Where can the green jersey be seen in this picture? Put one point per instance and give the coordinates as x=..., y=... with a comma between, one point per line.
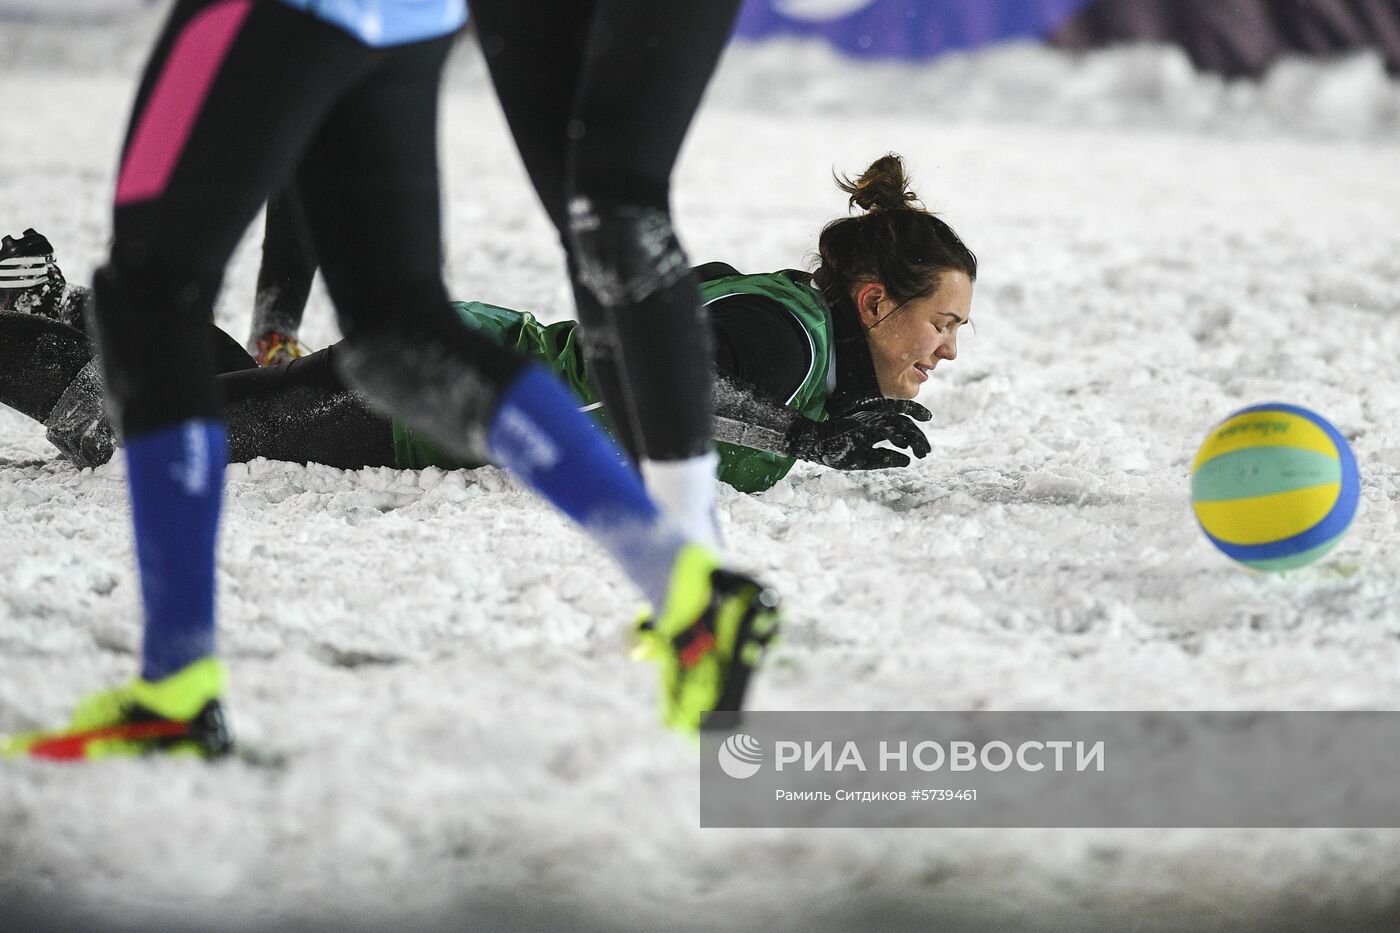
x=556, y=346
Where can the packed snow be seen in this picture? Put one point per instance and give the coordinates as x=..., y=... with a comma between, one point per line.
x=429, y=669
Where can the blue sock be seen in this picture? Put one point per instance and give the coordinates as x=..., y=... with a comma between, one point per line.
x=176, y=479
x=538, y=433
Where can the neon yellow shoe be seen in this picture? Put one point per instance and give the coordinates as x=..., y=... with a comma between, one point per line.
x=180, y=714
x=712, y=635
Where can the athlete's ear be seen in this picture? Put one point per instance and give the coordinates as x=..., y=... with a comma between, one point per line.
x=867, y=299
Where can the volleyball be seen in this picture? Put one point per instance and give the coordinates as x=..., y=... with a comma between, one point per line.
x=1274, y=486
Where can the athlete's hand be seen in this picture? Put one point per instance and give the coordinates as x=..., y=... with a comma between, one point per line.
x=847, y=441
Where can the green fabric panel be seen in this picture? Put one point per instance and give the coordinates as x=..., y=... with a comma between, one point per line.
x=1262, y=471
x=554, y=345
x=749, y=470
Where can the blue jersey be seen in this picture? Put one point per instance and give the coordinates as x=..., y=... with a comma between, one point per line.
x=388, y=22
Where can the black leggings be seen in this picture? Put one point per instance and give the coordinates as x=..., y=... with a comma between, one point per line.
x=299, y=411
x=360, y=123
x=599, y=95
x=303, y=412
x=288, y=267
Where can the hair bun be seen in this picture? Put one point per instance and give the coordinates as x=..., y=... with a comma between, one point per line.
x=884, y=186
x=897, y=243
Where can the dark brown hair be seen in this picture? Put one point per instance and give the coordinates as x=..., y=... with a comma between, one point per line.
x=896, y=242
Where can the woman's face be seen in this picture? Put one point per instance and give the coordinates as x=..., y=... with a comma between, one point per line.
x=907, y=341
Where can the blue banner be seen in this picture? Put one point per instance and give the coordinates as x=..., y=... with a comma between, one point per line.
x=907, y=29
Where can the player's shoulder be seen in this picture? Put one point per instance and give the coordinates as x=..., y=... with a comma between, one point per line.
x=710, y=271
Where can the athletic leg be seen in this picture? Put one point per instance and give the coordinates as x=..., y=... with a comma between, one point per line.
x=535, y=56
x=223, y=112
x=635, y=104
x=229, y=95
x=408, y=351
x=299, y=411
x=285, y=275
x=47, y=372
x=38, y=359
x=303, y=412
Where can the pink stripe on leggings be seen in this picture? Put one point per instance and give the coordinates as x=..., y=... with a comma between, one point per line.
x=170, y=112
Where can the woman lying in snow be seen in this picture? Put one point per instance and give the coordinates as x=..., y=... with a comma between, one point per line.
x=819, y=367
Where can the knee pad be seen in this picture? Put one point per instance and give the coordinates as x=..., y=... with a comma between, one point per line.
x=624, y=252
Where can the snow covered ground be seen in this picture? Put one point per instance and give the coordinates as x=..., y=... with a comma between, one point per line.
x=432, y=667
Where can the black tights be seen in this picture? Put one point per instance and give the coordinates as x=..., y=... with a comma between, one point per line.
x=287, y=270
x=303, y=412
x=599, y=95
x=361, y=125
x=299, y=411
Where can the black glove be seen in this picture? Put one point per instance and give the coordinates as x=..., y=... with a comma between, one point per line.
x=847, y=441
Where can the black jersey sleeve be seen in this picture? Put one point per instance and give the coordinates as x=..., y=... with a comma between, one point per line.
x=759, y=342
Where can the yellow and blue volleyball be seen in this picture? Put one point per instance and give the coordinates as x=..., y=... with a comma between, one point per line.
x=1275, y=486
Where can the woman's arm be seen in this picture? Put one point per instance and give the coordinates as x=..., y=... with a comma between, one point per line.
x=762, y=357
x=746, y=417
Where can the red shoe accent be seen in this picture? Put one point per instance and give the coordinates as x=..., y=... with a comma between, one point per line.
x=699, y=646
x=72, y=747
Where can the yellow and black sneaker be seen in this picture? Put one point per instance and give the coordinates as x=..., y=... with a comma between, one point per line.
x=179, y=715
x=713, y=633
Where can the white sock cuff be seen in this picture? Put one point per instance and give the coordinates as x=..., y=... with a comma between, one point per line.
x=686, y=491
